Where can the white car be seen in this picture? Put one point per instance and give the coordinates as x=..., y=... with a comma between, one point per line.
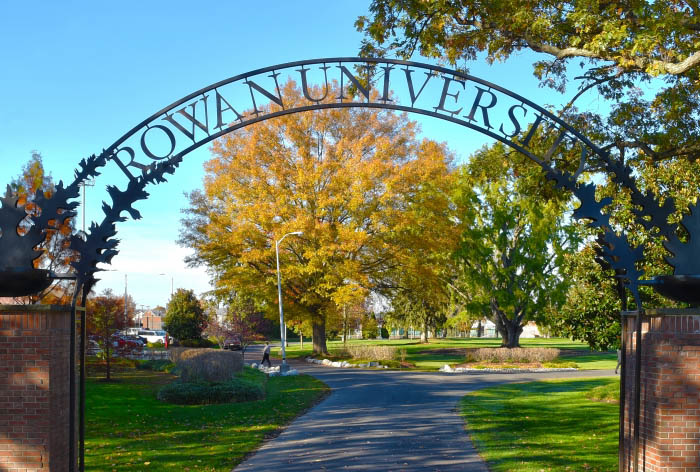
x=152, y=335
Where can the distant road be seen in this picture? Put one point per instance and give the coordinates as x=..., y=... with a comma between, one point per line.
x=380, y=420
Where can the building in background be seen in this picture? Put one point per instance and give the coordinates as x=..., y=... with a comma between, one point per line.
x=150, y=318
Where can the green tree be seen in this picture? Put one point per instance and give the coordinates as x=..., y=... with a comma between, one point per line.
x=592, y=309
x=514, y=243
x=370, y=328
x=341, y=176
x=413, y=309
x=613, y=48
x=184, y=317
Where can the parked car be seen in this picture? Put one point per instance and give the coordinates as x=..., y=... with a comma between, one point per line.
x=152, y=335
x=136, y=339
x=123, y=342
x=233, y=343
x=93, y=348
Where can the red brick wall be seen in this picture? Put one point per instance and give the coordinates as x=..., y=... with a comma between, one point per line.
x=34, y=388
x=670, y=393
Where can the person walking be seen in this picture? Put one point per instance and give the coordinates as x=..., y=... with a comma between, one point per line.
x=266, y=355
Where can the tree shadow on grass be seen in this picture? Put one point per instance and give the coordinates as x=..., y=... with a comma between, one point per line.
x=543, y=424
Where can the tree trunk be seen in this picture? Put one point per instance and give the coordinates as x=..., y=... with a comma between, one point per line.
x=345, y=326
x=424, y=334
x=509, y=329
x=511, y=335
x=301, y=338
x=319, y=337
x=108, y=352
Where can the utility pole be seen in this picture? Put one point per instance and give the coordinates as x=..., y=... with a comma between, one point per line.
x=126, y=301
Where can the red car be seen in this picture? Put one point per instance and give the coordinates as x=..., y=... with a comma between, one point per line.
x=127, y=343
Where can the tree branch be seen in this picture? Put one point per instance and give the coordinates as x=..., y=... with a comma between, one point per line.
x=641, y=63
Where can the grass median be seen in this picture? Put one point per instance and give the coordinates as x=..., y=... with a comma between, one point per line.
x=440, y=351
x=127, y=428
x=546, y=426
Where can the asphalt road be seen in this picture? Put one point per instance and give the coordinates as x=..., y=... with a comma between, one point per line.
x=383, y=420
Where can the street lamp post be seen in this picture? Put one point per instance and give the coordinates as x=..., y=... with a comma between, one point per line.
x=283, y=334
x=171, y=283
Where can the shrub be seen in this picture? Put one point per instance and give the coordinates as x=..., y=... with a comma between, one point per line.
x=158, y=365
x=199, y=343
x=202, y=393
x=516, y=354
x=378, y=353
x=210, y=365
x=385, y=333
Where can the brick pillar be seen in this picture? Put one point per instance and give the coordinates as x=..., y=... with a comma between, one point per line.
x=34, y=387
x=670, y=391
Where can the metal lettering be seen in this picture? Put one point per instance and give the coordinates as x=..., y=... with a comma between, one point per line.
x=385, y=92
x=192, y=119
x=305, y=84
x=513, y=120
x=444, y=95
x=276, y=99
x=167, y=132
x=531, y=133
x=363, y=90
x=131, y=163
x=220, y=111
x=484, y=108
x=409, y=81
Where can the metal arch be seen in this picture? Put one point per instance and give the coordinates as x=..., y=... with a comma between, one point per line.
x=341, y=60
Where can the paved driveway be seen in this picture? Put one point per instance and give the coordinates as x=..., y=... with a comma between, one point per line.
x=383, y=420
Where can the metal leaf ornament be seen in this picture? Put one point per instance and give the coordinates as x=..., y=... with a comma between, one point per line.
x=17, y=251
x=56, y=208
x=615, y=250
x=652, y=214
x=99, y=245
x=686, y=255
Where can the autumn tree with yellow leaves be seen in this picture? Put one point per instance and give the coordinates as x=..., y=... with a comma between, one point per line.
x=347, y=178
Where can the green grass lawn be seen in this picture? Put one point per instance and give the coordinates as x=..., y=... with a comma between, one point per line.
x=127, y=428
x=545, y=426
x=428, y=357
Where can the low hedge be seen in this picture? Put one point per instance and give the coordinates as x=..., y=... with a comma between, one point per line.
x=157, y=365
x=516, y=354
x=189, y=393
x=201, y=343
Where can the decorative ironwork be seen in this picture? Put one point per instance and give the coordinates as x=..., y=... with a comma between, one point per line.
x=157, y=145
x=23, y=232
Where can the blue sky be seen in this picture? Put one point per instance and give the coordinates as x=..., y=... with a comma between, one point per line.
x=76, y=75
